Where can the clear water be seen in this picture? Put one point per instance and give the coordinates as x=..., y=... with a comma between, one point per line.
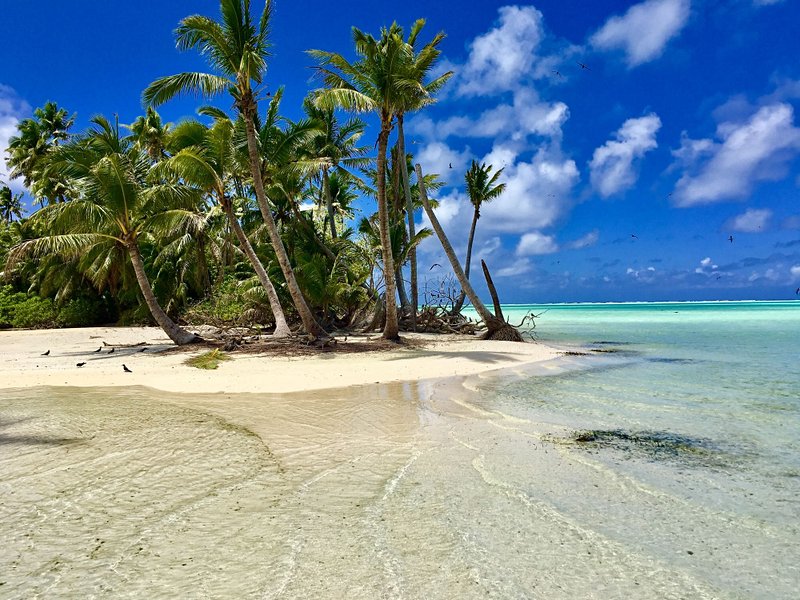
x=468, y=488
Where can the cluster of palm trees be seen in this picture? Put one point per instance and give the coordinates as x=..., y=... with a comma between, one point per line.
x=162, y=204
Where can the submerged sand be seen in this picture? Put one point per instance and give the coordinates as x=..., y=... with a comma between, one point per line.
x=428, y=356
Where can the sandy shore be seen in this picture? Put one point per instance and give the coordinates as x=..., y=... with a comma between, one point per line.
x=22, y=364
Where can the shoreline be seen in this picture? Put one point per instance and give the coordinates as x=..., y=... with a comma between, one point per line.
x=430, y=356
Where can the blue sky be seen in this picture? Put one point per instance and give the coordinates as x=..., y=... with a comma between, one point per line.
x=681, y=132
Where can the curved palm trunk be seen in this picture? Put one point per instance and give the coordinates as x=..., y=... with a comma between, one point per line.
x=326, y=186
x=176, y=333
x=310, y=324
x=401, y=143
x=391, y=329
x=467, y=263
x=492, y=322
x=281, y=326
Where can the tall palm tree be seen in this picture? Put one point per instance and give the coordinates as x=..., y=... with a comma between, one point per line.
x=29, y=152
x=413, y=98
x=237, y=48
x=207, y=165
x=335, y=146
x=115, y=207
x=150, y=134
x=10, y=205
x=482, y=188
x=373, y=83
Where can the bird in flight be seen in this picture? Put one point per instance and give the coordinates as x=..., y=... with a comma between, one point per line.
x=46, y=353
x=730, y=239
x=126, y=369
x=797, y=292
x=80, y=364
x=583, y=66
x=557, y=73
x=451, y=165
x=634, y=236
x=434, y=265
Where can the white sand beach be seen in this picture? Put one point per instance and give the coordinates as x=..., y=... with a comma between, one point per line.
x=431, y=356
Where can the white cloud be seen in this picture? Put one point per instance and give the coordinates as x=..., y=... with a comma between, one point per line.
x=756, y=150
x=612, y=165
x=535, y=243
x=590, y=239
x=795, y=272
x=751, y=220
x=707, y=267
x=517, y=267
x=438, y=157
x=766, y=2
x=12, y=110
x=644, y=30
x=504, y=55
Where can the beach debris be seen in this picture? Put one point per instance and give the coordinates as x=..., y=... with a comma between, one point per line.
x=126, y=369
x=80, y=364
x=208, y=360
x=46, y=353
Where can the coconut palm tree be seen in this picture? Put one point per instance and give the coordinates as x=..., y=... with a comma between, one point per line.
x=10, y=205
x=482, y=188
x=207, y=165
x=497, y=328
x=413, y=98
x=237, y=48
x=150, y=134
x=115, y=208
x=29, y=153
x=373, y=83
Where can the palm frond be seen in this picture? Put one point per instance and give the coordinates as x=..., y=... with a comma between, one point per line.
x=171, y=86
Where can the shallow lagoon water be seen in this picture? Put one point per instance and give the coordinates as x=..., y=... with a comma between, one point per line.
x=462, y=488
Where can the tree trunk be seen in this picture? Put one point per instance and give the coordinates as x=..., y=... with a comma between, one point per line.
x=326, y=186
x=498, y=310
x=391, y=330
x=412, y=254
x=475, y=217
x=310, y=324
x=176, y=333
x=401, y=290
x=281, y=326
x=492, y=322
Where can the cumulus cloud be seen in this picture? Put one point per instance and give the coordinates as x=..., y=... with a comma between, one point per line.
x=751, y=220
x=707, y=267
x=644, y=30
x=612, y=165
x=794, y=272
x=438, y=157
x=757, y=149
x=535, y=243
x=505, y=54
x=12, y=110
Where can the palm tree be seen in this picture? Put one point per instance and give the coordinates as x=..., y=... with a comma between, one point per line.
x=497, y=328
x=206, y=165
x=29, y=153
x=237, y=48
x=373, y=83
x=335, y=146
x=482, y=187
x=414, y=98
x=150, y=134
x=116, y=207
x=10, y=205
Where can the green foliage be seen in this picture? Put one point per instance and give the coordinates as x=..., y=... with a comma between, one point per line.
x=84, y=312
x=21, y=310
x=233, y=303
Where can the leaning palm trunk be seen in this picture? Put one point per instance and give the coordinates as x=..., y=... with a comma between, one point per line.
x=412, y=254
x=281, y=326
x=391, y=330
x=177, y=334
x=493, y=324
x=310, y=324
x=467, y=263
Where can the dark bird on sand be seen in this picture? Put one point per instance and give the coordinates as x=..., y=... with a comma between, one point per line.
x=80, y=364
x=98, y=350
x=730, y=239
x=143, y=349
x=46, y=353
x=111, y=351
x=126, y=369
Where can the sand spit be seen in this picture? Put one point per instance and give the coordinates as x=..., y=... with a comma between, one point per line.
x=428, y=356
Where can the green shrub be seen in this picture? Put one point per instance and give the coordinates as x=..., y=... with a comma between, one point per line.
x=35, y=312
x=84, y=312
x=9, y=299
